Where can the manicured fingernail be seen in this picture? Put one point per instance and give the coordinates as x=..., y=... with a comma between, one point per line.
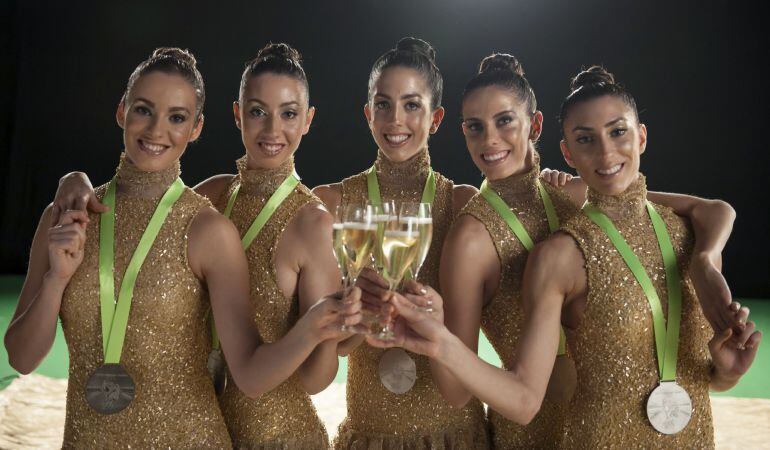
x=423, y=291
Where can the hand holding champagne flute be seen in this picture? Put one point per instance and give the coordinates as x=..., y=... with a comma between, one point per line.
x=422, y=214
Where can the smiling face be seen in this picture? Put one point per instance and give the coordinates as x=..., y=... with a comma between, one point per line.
x=158, y=120
x=499, y=132
x=273, y=115
x=603, y=141
x=399, y=113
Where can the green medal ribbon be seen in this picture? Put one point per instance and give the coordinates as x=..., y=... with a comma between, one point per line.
x=428, y=192
x=373, y=186
x=115, y=314
x=502, y=208
x=275, y=200
x=666, y=338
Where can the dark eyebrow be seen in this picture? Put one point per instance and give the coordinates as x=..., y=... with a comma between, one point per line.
x=141, y=99
x=382, y=95
x=606, y=125
x=407, y=96
x=180, y=108
x=255, y=100
x=613, y=122
x=510, y=111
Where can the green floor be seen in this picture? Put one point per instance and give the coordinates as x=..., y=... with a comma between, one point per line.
x=756, y=383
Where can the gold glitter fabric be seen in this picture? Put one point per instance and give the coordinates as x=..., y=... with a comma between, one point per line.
x=167, y=339
x=285, y=417
x=502, y=318
x=420, y=418
x=614, y=346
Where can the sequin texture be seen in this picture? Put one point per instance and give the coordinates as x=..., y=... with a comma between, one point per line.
x=420, y=418
x=614, y=346
x=285, y=417
x=167, y=338
x=502, y=318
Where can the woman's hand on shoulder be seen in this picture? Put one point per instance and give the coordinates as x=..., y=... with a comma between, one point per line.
x=555, y=178
x=75, y=192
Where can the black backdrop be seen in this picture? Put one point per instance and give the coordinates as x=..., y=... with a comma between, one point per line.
x=696, y=71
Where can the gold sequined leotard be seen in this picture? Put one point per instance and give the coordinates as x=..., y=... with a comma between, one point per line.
x=167, y=339
x=419, y=418
x=285, y=417
x=614, y=345
x=502, y=317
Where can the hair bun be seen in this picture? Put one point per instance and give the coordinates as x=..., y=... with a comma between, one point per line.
x=176, y=53
x=501, y=61
x=592, y=75
x=279, y=50
x=416, y=45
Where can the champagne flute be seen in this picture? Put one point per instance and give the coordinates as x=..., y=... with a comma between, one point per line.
x=399, y=246
x=382, y=214
x=359, y=235
x=339, y=246
x=421, y=212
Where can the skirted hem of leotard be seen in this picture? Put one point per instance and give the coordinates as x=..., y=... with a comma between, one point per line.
x=318, y=441
x=458, y=437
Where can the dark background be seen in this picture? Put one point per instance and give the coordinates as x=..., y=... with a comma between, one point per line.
x=697, y=71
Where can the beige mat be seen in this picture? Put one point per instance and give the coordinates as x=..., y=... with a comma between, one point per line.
x=32, y=415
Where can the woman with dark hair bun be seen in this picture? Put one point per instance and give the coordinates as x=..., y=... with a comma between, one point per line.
x=403, y=110
x=634, y=326
x=138, y=375
x=286, y=233
x=486, y=250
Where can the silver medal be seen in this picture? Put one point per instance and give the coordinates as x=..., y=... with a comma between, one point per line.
x=669, y=408
x=110, y=389
x=398, y=371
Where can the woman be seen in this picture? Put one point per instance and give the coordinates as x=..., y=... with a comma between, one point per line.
x=483, y=260
x=577, y=278
x=138, y=374
x=403, y=109
x=291, y=260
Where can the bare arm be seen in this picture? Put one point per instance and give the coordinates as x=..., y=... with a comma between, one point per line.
x=470, y=271
x=216, y=256
x=518, y=393
x=318, y=276
x=55, y=256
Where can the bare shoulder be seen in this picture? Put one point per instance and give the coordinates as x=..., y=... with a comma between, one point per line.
x=330, y=194
x=468, y=236
x=461, y=194
x=213, y=187
x=211, y=226
x=312, y=219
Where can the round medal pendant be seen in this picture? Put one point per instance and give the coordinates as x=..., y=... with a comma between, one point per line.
x=110, y=389
x=669, y=408
x=216, y=366
x=398, y=371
